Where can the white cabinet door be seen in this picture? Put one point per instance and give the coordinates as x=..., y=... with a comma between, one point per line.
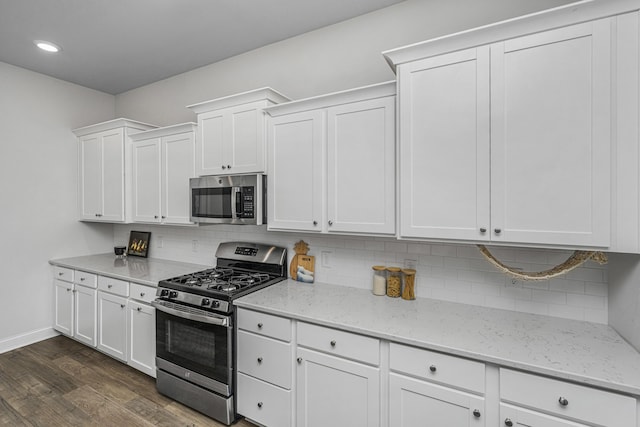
x=146, y=180
x=332, y=391
x=113, y=175
x=444, y=146
x=231, y=140
x=512, y=416
x=178, y=165
x=361, y=167
x=142, y=338
x=90, y=177
x=63, y=309
x=550, y=129
x=412, y=402
x=85, y=315
x=112, y=325
x=296, y=173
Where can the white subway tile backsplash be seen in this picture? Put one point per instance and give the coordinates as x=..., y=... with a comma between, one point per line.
x=452, y=272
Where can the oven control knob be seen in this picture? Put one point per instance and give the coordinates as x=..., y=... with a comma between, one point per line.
x=164, y=292
x=215, y=304
x=205, y=301
x=173, y=294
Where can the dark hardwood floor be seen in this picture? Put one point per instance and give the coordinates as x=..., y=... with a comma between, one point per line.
x=59, y=382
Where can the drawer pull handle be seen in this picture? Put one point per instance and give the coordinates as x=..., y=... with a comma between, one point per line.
x=563, y=401
x=141, y=294
x=432, y=368
x=299, y=359
x=82, y=279
x=139, y=309
x=68, y=289
x=483, y=230
x=122, y=305
x=60, y=274
x=259, y=325
x=259, y=359
x=259, y=404
x=497, y=230
x=508, y=422
x=109, y=286
x=476, y=413
x=333, y=343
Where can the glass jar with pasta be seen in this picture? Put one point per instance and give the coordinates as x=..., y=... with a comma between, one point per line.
x=394, y=282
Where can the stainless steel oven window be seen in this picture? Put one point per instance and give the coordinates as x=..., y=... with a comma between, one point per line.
x=199, y=347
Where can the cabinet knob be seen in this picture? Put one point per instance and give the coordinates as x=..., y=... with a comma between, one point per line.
x=121, y=305
x=82, y=279
x=315, y=222
x=259, y=325
x=139, y=309
x=333, y=343
x=563, y=401
x=109, y=286
x=155, y=217
x=476, y=413
x=432, y=368
x=508, y=422
x=299, y=359
x=497, y=230
x=259, y=404
x=141, y=294
x=259, y=359
x=224, y=167
x=483, y=230
x=330, y=223
x=228, y=166
x=60, y=274
x=68, y=289
x=163, y=217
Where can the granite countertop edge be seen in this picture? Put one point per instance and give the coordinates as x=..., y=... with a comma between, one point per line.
x=280, y=299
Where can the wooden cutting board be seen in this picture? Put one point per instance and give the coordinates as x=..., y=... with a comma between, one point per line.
x=302, y=267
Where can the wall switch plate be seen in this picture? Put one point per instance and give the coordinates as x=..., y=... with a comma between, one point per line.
x=194, y=246
x=410, y=263
x=159, y=242
x=325, y=257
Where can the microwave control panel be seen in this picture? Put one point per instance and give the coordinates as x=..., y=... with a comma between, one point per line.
x=247, y=209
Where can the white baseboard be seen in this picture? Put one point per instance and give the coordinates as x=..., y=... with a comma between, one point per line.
x=21, y=340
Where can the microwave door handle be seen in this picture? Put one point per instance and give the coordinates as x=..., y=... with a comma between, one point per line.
x=236, y=202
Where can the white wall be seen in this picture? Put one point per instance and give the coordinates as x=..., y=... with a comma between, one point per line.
x=330, y=59
x=624, y=296
x=38, y=178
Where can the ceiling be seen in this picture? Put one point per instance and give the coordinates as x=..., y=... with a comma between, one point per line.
x=117, y=45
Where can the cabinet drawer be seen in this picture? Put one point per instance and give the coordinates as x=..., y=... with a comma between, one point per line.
x=142, y=292
x=438, y=367
x=566, y=399
x=262, y=402
x=83, y=278
x=63, y=273
x=340, y=343
x=114, y=286
x=265, y=324
x=265, y=358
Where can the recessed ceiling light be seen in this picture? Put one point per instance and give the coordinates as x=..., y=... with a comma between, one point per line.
x=47, y=46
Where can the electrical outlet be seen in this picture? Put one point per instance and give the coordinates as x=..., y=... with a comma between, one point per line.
x=410, y=263
x=194, y=246
x=159, y=242
x=325, y=257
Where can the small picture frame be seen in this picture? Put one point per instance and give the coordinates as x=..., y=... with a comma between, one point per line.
x=138, y=243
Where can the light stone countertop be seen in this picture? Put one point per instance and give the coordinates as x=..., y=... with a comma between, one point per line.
x=588, y=353
x=147, y=271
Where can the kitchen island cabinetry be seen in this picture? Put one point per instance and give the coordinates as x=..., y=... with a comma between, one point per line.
x=231, y=132
x=342, y=178
x=493, y=139
x=104, y=170
x=163, y=162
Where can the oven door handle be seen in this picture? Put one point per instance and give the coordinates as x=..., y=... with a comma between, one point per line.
x=213, y=320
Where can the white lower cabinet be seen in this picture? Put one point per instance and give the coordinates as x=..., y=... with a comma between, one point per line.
x=85, y=308
x=335, y=391
x=141, y=320
x=112, y=317
x=536, y=401
x=63, y=307
x=265, y=368
x=412, y=402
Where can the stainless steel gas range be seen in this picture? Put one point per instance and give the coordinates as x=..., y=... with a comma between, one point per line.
x=195, y=318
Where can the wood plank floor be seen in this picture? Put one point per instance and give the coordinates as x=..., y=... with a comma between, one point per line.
x=59, y=382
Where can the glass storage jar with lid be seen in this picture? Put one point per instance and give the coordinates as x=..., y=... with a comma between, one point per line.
x=394, y=282
x=379, y=280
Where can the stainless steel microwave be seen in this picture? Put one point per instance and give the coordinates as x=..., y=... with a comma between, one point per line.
x=229, y=199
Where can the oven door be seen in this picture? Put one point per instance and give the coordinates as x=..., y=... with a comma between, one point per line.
x=195, y=345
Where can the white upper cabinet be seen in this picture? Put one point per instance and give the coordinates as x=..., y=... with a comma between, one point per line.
x=332, y=162
x=163, y=162
x=506, y=138
x=231, y=132
x=104, y=170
